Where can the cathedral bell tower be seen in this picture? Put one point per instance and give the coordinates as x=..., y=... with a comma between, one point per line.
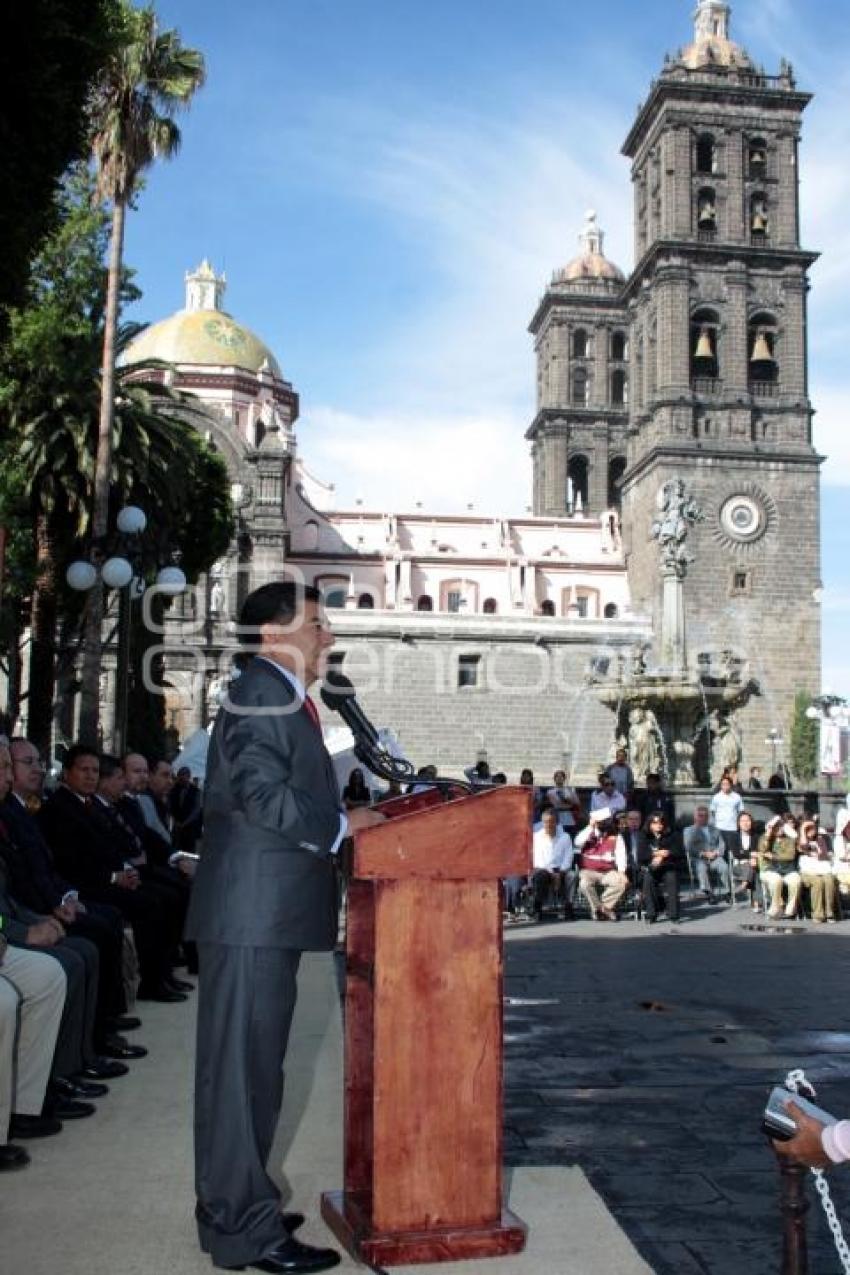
x=719, y=393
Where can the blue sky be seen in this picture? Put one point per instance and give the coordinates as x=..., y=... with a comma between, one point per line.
x=389, y=185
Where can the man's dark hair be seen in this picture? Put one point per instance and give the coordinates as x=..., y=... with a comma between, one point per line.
x=155, y=760
x=109, y=765
x=76, y=751
x=281, y=600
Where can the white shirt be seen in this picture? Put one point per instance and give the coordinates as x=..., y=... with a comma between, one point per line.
x=725, y=808
x=552, y=853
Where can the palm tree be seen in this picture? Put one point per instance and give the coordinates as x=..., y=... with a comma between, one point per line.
x=148, y=78
x=154, y=457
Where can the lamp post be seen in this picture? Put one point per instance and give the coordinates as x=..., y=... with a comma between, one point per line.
x=123, y=570
x=775, y=740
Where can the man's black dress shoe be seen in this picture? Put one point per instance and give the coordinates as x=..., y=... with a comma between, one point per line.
x=117, y=1047
x=68, y=1108
x=12, y=1157
x=33, y=1126
x=124, y=1023
x=85, y=1089
x=293, y=1256
x=102, y=1069
x=162, y=993
x=179, y=984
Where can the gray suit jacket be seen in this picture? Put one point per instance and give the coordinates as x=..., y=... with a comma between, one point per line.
x=266, y=876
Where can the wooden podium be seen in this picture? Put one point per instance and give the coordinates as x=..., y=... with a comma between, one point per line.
x=423, y=1031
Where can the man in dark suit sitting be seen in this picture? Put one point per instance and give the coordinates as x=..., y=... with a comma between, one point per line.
x=87, y=854
x=265, y=891
x=36, y=883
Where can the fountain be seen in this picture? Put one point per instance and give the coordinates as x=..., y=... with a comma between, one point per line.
x=675, y=720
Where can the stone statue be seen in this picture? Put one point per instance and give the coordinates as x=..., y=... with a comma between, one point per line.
x=216, y=598
x=645, y=747
x=728, y=741
x=677, y=513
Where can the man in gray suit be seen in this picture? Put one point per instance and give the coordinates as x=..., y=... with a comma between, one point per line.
x=264, y=892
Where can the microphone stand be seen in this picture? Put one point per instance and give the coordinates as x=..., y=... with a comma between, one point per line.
x=398, y=769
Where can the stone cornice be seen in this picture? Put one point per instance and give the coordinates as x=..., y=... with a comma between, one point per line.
x=726, y=454
x=725, y=254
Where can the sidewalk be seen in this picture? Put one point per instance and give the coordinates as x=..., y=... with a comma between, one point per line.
x=114, y=1193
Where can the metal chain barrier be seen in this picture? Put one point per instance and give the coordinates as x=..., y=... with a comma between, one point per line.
x=796, y=1081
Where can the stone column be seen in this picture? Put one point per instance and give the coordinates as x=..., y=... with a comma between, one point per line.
x=673, y=652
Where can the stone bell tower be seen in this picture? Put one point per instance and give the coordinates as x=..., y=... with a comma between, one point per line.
x=719, y=391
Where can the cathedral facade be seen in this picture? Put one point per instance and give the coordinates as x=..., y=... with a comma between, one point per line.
x=484, y=637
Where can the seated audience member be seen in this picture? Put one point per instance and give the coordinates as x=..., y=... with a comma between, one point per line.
x=744, y=860
x=841, y=851
x=87, y=854
x=423, y=775
x=145, y=846
x=629, y=829
x=755, y=784
x=706, y=851
x=478, y=775
x=777, y=780
x=552, y=860
x=499, y=779
x=602, y=863
x=657, y=858
x=655, y=800
x=356, y=793
x=186, y=809
x=778, y=864
x=142, y=802
x=35, y=883
x=564, y=800
x=815, y=867
x=726, y=805
x=606, y=797
x=32, y=997
x=621, y=772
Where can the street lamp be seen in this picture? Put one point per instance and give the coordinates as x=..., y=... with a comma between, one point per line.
x=775, y=740
x=123, y=571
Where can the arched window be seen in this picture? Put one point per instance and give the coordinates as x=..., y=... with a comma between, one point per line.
x=611, y=611
x=619, y=347
x=581, y=343
x=757, y=159
x=547, y=607
x=490, y=606
x=706, y=154
x=705, y=354
x=616, y=469
x=759, y=220
x=579, y=395
x=310, y=536
x=707, y=213
x=425, y=603
x=578, y=471
x=365, y=602
x=761, y=351
x=619, y=388
x=335, y=597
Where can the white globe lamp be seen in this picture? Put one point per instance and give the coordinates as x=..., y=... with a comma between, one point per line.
x=132, y=520
x=171, y=581
x=81, y=576
x=116, y=573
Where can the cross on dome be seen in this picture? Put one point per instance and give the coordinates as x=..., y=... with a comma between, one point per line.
x=591, y=237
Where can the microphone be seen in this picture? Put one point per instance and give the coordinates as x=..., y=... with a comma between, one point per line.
x=338, y=693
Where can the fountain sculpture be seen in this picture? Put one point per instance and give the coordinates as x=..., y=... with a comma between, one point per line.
x=674, y=720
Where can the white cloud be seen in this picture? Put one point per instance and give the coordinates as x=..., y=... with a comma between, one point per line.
x=831, y=431
x=394, y=461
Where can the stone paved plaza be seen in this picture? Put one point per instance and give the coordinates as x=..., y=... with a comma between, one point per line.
x=632, y=1142
x=644, y=1056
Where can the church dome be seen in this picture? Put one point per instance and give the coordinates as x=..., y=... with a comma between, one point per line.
x=203, y=334
x=591, y=264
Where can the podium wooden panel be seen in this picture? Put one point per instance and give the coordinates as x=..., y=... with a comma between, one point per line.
x=423, y=1031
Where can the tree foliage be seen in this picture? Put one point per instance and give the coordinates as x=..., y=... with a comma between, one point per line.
x=51, y=52
x=804, y=740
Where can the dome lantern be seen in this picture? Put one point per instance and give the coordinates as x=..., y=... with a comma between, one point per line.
x=204, y=288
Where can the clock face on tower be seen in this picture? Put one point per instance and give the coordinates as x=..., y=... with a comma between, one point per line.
x=744, y=517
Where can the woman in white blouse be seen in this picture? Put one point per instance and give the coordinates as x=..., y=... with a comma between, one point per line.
x=815, y=867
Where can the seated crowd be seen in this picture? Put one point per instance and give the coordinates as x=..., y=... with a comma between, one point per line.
x=626, y=843
x=94, y=886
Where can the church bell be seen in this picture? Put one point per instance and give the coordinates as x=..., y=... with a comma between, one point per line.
x=706, y=214
x=761, y=349
x=704, y=350
x=759, y=222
